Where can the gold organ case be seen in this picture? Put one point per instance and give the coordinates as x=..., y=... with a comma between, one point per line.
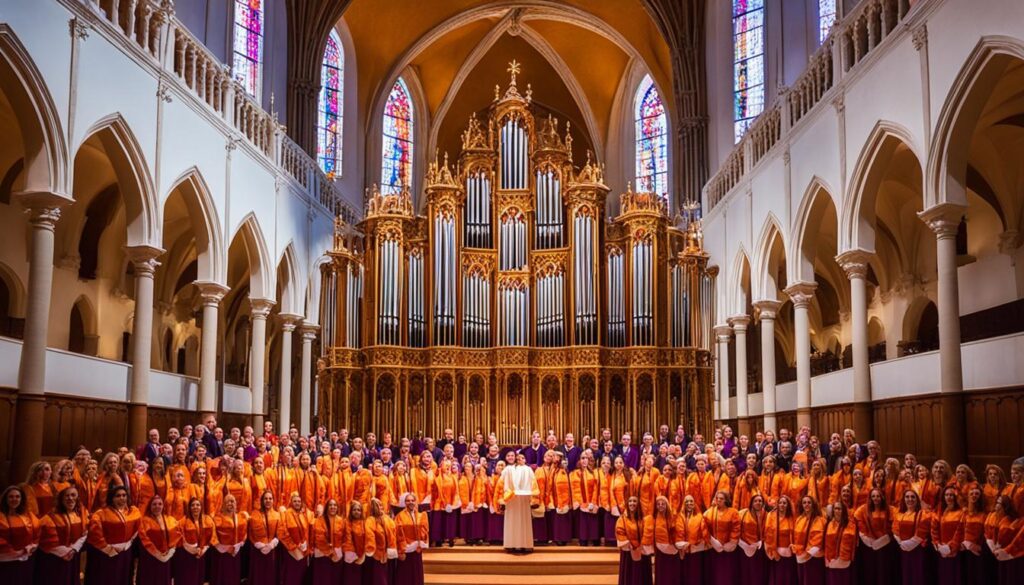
x=513, y=302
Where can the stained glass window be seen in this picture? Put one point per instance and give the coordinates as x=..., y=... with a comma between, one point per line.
x=248, y=49
x=651, y=140
x=748, y=63
x=396, y=170
x=328, y=128
x=826, y=18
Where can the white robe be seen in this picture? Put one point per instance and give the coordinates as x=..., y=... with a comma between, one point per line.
x=520, y=481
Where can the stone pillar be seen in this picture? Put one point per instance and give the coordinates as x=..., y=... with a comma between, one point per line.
x=723, y=332
x=143, y=259
x=855, y=264
x=944, y=219
x=801, y=294
x=212, y=293
x=309, y=332
x=767, y=310
x=258, y=313
x=739, y=326
x=288, y=324
x=44, y=212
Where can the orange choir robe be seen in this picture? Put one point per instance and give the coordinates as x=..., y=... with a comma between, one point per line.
x=840, y=544
x=242, y=491
x=341, y=489
x=907, y=525
x=743, y=494
x=311, y=488
x=771, y=487
x=412, y=532
x=1016, y=494
x=808, y=537
x=215, y=496
x=752, y=526
x=263, y=525
x=380, y=531
x=691, y=532
x=778, y=535
x=708, y=487
x=203, y=533
x=61, y=530
x=204, y=493
x=423, y=484
x=16, y=532
x=258, y=483
x=629, y=533
x=361, y=479
x=380, y=488
x=400, y=485
x=327, y=540
x=1010, y=536
x=660, y=534
x=40, y=498
x=294, y=530
x=819, y=489
x=176, y=502
x=542, y=497
x=604, y=496
x=617, y=492
x=496, y=494
x=876, y=524
x=836, y=483
x=974, y=531
x=282, y=481
x=355, y=544
x=645, y=487
x=585, y=494
x=87, y=490
x=175, y=467
x=445, y=492
x=231, y=528
x=561, y=492
x=157, y=539
x=948, y=531
x=795, y=488
x=464, y=497
x=109, y=526
x=149, y=487
x=723, y=525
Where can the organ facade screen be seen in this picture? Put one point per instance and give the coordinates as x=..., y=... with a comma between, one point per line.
x=513, y=299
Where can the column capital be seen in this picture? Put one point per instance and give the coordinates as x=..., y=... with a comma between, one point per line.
x=309, y=331
x=143, y=258
x=211, y=292
x=801, y=293
x=855, y=262
x=723, y=332
x=943, y=219
x=42, y=207
x=739, y=322
x=260, y=308
x=767, y=309
x=289, y=321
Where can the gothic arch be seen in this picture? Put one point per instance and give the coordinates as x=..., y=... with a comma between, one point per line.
x=206, y=226
x=738, y=297
x=763, y=282
x=288, y=280
x=16, y=290
x=261, y=276
x=812, y=211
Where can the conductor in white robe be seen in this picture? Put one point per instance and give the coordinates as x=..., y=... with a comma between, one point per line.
x=520, y=489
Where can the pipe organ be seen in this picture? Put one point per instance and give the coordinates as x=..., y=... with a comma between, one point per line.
x=514, y=295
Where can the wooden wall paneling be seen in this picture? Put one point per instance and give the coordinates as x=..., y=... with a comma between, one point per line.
x=909, y=425
x=8, y=397
x=994, y=421
x=70, y=422
x=786, y=420
x=831, y=419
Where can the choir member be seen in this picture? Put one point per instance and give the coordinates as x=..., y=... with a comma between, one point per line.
x=62, y=535
x=911, y=526
x=948, y=535
x=662, y=529
x=561, y=499
x=293, y=530
x=995, y=483
x=236, y=484
x=876, y=555
x=411, y=536
x=1015, y=489
x=586, y=500
x=202, y=491
x=617, y=483
x=355, y=544
x=753, y=562
x=39, y=490
x=152, y=483
x=328, y=539
x=445, y=496
x=771, y=481
x=263, y=529
x=976, y=558
x=963, y=479
x=634, y=565
x=282, y=478
x=778, y=542
x=840, y=544
x=1006, y=540
x=198, y=534
x=723, y=535
x=401, y=483
x=476, y=515
x=106, y=478
x=111, y=533
x=179, y=492
x=311, y=488
x=423, y=481
x=232, y=528
x=794, y=485
x=158, y=537
x=19, y=537
x=87, y=482
x=645, y=483
x=809, y=543
x=465, y=479
x=381, y=545
x=746, y=490
x=691, y=540
x=541, y=503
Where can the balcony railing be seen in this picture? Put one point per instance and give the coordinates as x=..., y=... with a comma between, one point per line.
x=849, y=43
x=150, y=25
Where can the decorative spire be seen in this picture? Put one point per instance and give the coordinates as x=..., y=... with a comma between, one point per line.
x=513, y=68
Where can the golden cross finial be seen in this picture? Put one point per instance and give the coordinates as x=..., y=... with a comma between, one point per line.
x=513, y=68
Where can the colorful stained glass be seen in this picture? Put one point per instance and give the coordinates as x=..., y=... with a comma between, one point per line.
x=396, y=170
x=826, y=18
x=248, y=45
x=748, y=63
x=651, y=140
x=328, y=129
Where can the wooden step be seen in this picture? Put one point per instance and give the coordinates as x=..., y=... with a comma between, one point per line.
x=478, y=579
x=540, y=562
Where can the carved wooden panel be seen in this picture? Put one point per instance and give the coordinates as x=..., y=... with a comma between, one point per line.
x=909, y=425
x=994, y=421
x=831, y=419
x=71, y=422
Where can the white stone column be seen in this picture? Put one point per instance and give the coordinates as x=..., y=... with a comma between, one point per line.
x=801, y=294
x=212, y=294
x=288, y=324
x=143, y=259
x=44, y=212
x=258, y=313
x=309, y=332
x=739, y=326
x=944, y=220
x=855, y=264
x=767, y=311
x=723, y=333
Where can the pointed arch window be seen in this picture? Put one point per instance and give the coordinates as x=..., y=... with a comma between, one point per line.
x=748, y=63
x=248, y=45
x=396, y=169
x=329, y=121
x=826, y=18
x=651, y=139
